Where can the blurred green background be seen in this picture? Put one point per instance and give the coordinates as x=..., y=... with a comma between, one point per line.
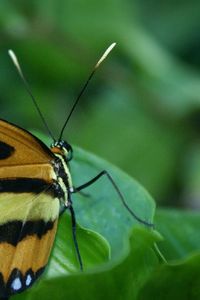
x=142, y=109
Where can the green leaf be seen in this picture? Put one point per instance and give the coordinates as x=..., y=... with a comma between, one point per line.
x=180, y=230
x=94, y=249
x=180, y=278
x=103, y=212
x=122, y=281
x=177, y=281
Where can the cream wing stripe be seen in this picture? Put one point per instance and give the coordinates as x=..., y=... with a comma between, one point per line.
x=14, y=207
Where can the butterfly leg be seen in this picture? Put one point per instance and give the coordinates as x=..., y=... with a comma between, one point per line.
x=87, y=195
x=73, y=219
x=121, y=197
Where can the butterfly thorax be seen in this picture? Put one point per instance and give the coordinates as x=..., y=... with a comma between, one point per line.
x=63, y=181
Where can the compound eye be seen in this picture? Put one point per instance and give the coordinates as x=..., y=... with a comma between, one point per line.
x=69, y=150
x=70, y=153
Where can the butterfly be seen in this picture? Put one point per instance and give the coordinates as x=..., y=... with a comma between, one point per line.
x=35, y=183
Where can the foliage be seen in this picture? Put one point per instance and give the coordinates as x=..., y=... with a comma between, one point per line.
x=129, y=265
x=140, y=112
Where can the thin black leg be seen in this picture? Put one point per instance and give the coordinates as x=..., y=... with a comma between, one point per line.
x=84, y=194
x=73, y=218
x=93, y=180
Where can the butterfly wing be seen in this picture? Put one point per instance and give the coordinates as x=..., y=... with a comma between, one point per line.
x=27, y=230
x=29, y=208
x=18, y=146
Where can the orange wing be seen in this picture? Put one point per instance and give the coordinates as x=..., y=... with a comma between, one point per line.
x=22, y=155
x=19, y=147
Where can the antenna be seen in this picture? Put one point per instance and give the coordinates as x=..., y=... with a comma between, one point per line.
x=108, y=50
x=27, y=87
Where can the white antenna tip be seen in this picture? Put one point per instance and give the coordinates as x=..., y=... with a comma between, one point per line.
x=108, y=50
x=15, y=61
x=12, y=56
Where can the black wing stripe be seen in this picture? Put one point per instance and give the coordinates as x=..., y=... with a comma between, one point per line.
x=5, y=150
x=27, y=185
x=15, y=231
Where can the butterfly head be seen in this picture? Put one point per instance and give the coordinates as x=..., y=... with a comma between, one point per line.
x=63, y=148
